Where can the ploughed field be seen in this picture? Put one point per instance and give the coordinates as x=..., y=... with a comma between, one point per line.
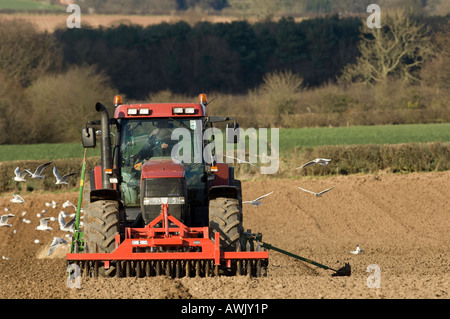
x=401, y=221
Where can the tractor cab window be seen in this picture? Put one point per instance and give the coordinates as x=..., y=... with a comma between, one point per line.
x=144, y=139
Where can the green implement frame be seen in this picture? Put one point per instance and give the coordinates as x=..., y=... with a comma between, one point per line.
x=77, y=244
x=343, y=271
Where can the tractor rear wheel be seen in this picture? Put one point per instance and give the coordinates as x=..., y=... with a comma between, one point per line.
x=101, y=227
x=225, y=217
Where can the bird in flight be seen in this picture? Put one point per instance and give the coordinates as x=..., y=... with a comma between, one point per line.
x=69, y=226
x=4, y=220
x=20, y=175
x=317, y=194
x=17, y=199
x=43, y=224
x=57, y=241
x=37, y=173
x=256, y=202
x=240, y=161
x=320, y=161
x=61, y=180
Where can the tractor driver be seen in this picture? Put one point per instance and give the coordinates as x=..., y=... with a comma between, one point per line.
x=159, y=142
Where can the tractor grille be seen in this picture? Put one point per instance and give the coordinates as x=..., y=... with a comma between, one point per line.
x=156, y=188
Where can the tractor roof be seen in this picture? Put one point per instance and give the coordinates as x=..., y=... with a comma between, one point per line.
x=152, y=110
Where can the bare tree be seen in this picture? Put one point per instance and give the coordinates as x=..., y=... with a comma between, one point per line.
x=26, y=54
x=398, y=49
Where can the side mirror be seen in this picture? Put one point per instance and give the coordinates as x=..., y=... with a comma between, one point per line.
x=232, y=133
x=88, y=137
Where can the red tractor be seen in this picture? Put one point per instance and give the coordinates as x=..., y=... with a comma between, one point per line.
x=159, y=203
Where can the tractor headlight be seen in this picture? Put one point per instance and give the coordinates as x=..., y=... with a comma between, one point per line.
x=144, y=111
x=189, y=110
x=177, y=110
x=132, y=111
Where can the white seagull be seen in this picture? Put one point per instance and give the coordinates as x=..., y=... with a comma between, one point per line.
x=37, y=173
x=55, y=243
x=20, y=175
x=256, y=202
x=26, y=221
x=4, y=220
x=44, y=224
x=17, y=199
x=61, y=180
x=317, y=194
x=357, y=251
x=52, y=204
x=66, y=226
x=320, y=161
x=239, y=160
x=67, y=203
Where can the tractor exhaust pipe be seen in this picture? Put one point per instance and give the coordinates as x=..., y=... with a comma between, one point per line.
x=106, y=157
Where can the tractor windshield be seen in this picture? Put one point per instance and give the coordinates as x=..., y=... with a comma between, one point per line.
x=142, y=139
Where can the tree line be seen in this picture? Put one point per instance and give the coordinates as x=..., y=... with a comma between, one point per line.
x=278, y=73
x=227, y=57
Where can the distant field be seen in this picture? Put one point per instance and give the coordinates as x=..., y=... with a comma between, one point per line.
x=382, y=134
x=44, y=151
x=289, y=139
x=27, y=5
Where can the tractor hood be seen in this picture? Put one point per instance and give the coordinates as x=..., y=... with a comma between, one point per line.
x=162, y=168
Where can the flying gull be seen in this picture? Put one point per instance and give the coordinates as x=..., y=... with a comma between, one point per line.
x=320, y=161
x=258, y=201
x=65, y=226
x=37, y=173
x=317, y=194
x=17, y=199
x=240, y=161
x=20, y=175
x=67, y=203
x=44, y=224
x=61, y=180
x=55, y=243
x=4, y=220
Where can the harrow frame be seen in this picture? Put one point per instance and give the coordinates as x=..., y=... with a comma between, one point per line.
x=166, y=243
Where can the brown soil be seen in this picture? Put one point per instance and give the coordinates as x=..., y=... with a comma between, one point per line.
x=401, y=221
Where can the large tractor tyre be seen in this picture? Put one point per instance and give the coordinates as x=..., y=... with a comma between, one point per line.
x=101, y=226
x=225, y=217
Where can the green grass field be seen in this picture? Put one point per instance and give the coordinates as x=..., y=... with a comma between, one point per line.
x=382, y=134
x=27, y=5
x=289, y=139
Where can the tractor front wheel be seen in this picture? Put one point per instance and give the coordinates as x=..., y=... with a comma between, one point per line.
x=101, y=228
